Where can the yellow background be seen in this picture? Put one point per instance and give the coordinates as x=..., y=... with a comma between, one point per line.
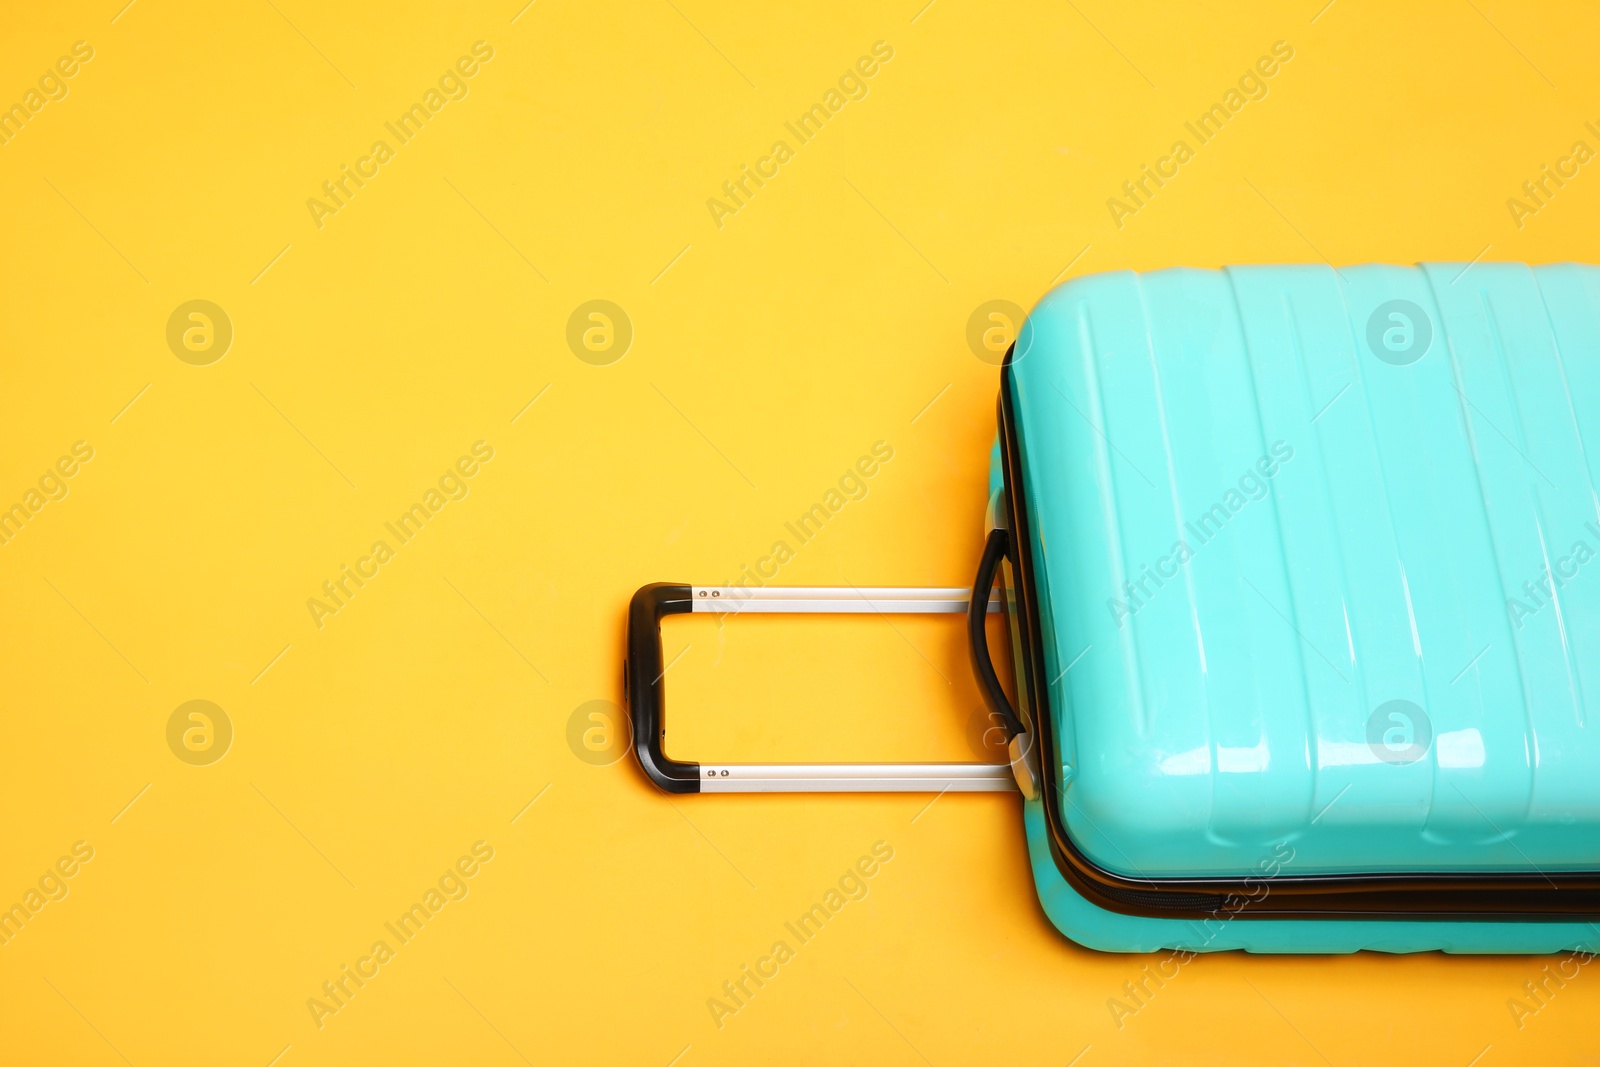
x=768, y=355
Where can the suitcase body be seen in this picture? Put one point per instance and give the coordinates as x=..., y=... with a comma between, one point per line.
x=1305, y=624
x=1301, y=575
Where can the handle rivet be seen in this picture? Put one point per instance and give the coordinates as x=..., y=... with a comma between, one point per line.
x=724, y=774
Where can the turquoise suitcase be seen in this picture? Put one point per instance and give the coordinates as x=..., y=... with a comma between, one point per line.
x=1303, y=613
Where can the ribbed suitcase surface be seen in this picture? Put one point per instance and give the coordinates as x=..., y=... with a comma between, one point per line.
x=1319, y=564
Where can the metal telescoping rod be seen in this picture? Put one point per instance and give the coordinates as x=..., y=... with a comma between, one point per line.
x=846, y=777
x=835, y=599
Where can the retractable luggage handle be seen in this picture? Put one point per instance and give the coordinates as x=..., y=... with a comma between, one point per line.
x=644, y=670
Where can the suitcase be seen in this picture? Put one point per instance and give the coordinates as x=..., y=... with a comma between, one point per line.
x=1302, y=612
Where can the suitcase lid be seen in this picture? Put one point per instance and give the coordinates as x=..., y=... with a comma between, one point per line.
x=1315, y=554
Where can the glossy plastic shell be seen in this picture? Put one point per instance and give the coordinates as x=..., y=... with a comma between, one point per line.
x=1319, y=557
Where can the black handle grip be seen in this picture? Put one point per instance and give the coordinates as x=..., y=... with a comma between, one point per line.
x=643, y=686
x=994, y=550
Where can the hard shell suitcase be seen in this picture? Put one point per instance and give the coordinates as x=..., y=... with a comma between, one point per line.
x=1302, y=623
